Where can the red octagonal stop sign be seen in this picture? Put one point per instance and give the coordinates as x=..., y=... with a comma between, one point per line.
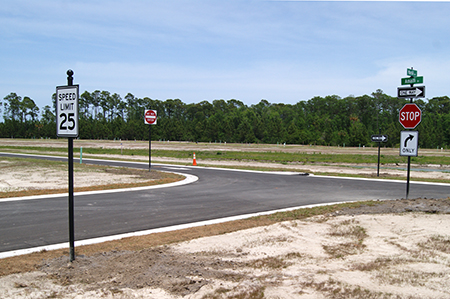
x=410, y=116
x=150, y=117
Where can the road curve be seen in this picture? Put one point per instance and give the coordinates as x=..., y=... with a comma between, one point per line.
x=218, y=193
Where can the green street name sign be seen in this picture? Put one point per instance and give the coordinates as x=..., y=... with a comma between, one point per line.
x=411, y=72
x=414, y=80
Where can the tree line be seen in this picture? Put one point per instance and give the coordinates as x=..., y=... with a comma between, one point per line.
x=329, y=120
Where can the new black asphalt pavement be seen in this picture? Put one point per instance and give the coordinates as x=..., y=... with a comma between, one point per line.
x=218, y=193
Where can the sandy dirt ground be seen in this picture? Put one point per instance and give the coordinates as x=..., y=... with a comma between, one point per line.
x=33, y=178
x=332, y=256
x=399, y=249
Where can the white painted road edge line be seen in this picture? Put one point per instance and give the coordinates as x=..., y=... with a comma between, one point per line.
x=379, y=180
x=254, y=171
x=151, y=231
x=277, y=172
x=189, y=178
x=188, y=167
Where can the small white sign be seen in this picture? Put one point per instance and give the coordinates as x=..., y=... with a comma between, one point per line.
x=409, y=143
x=150, y=117
x=67, y=111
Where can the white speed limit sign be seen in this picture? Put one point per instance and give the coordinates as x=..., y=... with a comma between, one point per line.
x=67, y=111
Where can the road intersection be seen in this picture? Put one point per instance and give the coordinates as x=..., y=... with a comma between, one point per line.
x=211, y=193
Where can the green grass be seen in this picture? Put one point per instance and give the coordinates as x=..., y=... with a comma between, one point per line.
x=295, y=158
x=14, y=163
x=273, y=156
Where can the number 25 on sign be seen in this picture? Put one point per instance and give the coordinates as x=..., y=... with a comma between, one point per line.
x=67, y=111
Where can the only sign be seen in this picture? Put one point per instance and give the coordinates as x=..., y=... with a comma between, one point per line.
x=150, y=117
x=410, y=116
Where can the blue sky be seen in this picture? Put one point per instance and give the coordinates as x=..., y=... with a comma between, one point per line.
x=281, y=51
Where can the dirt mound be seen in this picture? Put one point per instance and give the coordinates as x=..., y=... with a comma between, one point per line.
x=155, y=267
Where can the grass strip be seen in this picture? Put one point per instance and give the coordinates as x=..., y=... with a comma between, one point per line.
x=99, y=152
x=259, y=156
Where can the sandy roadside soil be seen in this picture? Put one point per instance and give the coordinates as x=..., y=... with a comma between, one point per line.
x=344, y=255
x=34, y=178
x=365, y=256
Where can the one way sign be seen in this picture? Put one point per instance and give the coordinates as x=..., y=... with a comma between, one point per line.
x=379, y=138
x=409, y=143
x=411, y=92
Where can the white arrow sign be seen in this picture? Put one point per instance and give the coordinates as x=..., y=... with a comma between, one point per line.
x=414, y=92
x=409, y=143
x=411, y=92
x=379, y=138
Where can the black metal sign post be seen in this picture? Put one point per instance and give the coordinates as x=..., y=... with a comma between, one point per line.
x=149, y=148
x=409, y=157
x=378, y=166
x=67, y=126
x=71, y=205
x=407, y=179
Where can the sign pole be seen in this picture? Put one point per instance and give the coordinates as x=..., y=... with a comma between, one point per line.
x=407, y=176
x=71, y=209
x=413, y=75
x=379, y=138
x=67, y=126
x=410, y=116
x=150, y=117
x=378, y=168
x=71, y=205
x=149, y=148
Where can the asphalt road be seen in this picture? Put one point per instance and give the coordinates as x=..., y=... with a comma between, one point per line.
x=218, y=193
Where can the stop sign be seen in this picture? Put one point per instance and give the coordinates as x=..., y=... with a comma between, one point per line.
x=150, y=117
x=410, y=116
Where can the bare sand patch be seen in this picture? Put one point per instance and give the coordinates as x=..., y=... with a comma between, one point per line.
x=38, y=178
x=390, y=256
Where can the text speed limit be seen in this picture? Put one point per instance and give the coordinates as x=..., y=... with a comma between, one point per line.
x=67, y=111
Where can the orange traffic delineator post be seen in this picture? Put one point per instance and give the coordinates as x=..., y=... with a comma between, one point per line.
x=195, y=161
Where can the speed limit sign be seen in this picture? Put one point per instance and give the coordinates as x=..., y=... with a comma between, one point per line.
x=67, y=111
